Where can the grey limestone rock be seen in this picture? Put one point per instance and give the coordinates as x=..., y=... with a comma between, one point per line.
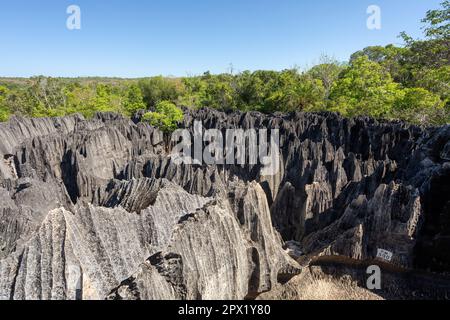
x=96, y=209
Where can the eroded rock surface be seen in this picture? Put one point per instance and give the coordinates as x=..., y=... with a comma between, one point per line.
x=95, y=209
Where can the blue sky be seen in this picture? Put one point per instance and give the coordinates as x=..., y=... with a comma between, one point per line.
x=137, y=38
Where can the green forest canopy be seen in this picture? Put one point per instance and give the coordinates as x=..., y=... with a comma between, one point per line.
x=409, y=83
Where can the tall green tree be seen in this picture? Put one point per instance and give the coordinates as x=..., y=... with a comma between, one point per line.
x=194, y=92
x=158, y=89
x=297, y=92
x=219, y=92
x=365, y=88
x=438, y=22
x=436, y=80
x=327, y=73
x=419, y=106
x=105, y=100
x=5, y=113
x=102, y=100
x=433, y=52
x=134, y=100
x=79, y=99
x=390, y=57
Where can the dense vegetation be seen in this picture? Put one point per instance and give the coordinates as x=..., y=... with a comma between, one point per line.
x=409, y=83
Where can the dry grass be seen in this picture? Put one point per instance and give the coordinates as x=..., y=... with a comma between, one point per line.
x=329, y=289
x=307, y=287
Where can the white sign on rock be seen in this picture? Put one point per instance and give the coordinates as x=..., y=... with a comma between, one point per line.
x=385, y=255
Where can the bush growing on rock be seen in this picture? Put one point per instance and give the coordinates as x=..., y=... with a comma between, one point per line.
x=166, y=116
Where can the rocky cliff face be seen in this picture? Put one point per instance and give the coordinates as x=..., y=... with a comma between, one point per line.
x=95, y=209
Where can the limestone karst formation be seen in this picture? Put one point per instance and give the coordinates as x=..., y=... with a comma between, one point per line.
x=97, y=209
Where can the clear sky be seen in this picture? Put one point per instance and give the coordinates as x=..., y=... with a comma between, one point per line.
x=135, y=38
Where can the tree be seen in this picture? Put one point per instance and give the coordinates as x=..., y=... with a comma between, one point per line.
x=297, y=93
x=436, y=80
x=102, y=101
x=390, y=57
x=419, y=106
x=365, y=88
x=434, y=51
x=327, y=72
x=106, y=99
x=166, y=117
x=19, y=101
x=253, y=89
x=134, y=100
x=157, y=89
x=80, y=98
x=5, y=113
x=438, y=22
x=46, y=96
x=195, y=92
x=219, y=93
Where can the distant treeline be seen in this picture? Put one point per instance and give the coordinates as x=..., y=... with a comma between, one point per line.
x=410, y=83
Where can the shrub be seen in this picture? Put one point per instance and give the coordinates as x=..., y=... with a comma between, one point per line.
x=133, y=100
x=5, y=113
x=157, y=89
x=365, y=88
x=419, y=106
x=166, y=117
